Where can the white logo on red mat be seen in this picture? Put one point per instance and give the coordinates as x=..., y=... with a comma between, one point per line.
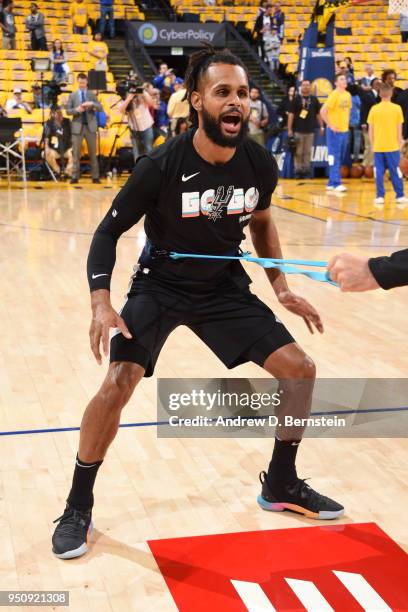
x=254, y=598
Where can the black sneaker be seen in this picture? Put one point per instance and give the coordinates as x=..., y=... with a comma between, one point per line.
x=298, y=497
x=74, y=181
x=70, y=536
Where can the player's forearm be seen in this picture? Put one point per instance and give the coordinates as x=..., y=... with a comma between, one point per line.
x=266, y=242
x=101, y=260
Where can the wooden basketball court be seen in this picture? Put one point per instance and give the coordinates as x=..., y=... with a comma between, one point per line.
x=149, y=488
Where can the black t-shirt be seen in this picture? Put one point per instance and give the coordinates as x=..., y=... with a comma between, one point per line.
x=59, y=136
x=190, y=206
x=309, y=106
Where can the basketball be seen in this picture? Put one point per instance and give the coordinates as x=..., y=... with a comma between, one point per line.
x=404, y=166
x=345, y=172
x=369, y=172
x=356, y=171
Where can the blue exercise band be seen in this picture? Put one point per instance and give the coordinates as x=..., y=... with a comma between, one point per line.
x=287, y=266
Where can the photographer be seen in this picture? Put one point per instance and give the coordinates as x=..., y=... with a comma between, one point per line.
x=136, y=106
x=58, y=142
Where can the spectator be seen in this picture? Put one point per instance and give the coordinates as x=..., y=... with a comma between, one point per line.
x=58, y=142
x=99, y=50
x=165, y=78
x=304, y=114
x=261, y=8
x=350, y=68
x=58, y=62
x=404, y=26
x=368, y=78
x=8, y=25
x=369, y=97
x=272, y=47
x=181, y=126
x=39, y=98
x=258, y=117
x=336, y=114
x=79, y=15
x=385, y=122
x=136, y=106
x=162, y=119
x=285, y=106
x=83, y=104
x=389, y=77
x=35, y=25
x=278, y=20
x=16, y=102
x=344, y=69
x=178, y=107
x=262, y=25
x=107, y=12
x=355, y=123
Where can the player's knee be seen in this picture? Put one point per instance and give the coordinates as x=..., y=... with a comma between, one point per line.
x=302, y=367
x=120, y=383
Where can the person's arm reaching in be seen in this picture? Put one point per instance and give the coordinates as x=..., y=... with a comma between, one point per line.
x=356, y=273
x=136, y=198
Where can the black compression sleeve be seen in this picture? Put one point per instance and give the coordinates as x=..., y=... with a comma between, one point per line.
x=139, y=194
x=390, y=271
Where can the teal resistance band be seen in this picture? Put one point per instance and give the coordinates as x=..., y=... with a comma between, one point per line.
x=287, y=266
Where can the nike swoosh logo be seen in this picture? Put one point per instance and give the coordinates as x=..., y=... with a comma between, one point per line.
x=97, y=275
x=187, y=178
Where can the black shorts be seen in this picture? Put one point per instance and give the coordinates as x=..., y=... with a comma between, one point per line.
x=235, y=324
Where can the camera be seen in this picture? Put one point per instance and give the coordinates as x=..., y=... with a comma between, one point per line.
x=50, y=91
x=128, y=86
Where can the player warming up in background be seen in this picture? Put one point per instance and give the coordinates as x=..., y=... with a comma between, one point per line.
x=385, y=121
x=197, y=192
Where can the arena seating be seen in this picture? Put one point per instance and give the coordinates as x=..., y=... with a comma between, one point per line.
x=16, y=69
x=375, y=35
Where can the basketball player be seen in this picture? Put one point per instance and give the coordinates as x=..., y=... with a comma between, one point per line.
x=354, y=273
x=198, y=192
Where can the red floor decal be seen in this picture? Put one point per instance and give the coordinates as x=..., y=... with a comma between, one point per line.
x=340, y=567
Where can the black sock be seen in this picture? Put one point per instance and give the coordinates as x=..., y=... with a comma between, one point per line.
x=81, y=495
x=282, y=469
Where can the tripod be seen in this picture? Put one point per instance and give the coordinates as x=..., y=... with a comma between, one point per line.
x=42, y=141
x=116, y=138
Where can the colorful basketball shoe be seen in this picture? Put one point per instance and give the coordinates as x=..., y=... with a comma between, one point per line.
x=298, y=497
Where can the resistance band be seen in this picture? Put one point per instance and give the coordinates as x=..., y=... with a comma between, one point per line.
x=287, y=266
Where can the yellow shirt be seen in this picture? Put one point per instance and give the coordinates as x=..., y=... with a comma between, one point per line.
x=385, y=117
x=177, y=107
x=96, y=46
x=338, y=105
x=79, y=14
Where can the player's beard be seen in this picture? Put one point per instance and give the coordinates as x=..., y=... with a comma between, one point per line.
x=212, y=128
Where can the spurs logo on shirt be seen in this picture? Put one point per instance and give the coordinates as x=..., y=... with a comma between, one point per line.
x=212, y=202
